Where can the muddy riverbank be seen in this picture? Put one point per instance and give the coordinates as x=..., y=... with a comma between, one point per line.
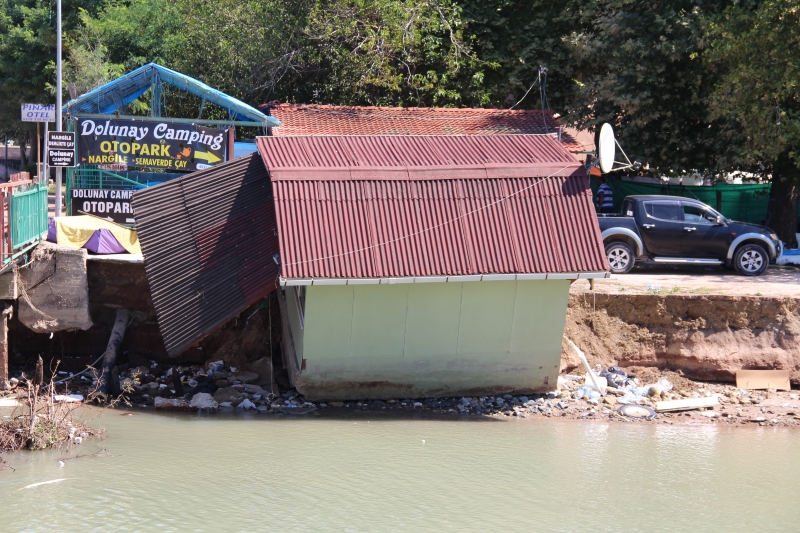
x=706, y=337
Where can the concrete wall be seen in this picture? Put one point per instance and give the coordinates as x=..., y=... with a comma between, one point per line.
x=429, y=339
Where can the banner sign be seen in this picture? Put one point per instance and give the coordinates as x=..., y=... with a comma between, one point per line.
x=149, y=144
x=61, y=148
x=38, y=113
x=110, y=204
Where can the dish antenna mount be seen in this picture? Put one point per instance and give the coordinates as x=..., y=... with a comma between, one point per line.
x=607, y=146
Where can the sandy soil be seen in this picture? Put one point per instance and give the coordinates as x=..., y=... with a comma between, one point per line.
x=777, y=281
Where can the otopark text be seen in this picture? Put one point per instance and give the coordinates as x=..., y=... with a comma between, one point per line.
x=150, y=144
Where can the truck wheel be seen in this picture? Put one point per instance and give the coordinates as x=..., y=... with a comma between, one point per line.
x=750, y=260
x=620, y=257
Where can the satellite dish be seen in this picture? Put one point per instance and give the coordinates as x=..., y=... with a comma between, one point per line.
x=606, y=148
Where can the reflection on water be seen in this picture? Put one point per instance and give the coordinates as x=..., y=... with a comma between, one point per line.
x=374, y=473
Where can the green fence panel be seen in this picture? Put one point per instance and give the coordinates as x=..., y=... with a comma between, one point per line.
x=28, y=216
x=745, y=203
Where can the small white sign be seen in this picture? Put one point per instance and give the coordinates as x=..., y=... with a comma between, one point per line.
x=38, y=113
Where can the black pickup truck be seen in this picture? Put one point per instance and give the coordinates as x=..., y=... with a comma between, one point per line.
x=674, y=230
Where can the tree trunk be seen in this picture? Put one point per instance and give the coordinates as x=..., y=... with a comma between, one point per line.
x=110, y=355
x=23, y=147
x=783, y=200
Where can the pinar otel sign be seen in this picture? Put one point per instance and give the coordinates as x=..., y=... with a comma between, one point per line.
x=150, y=144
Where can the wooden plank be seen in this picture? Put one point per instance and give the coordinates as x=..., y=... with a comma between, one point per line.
x=687, y=404
x=763, y=379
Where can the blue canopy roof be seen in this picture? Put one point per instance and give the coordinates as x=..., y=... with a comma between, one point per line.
x=113, y=95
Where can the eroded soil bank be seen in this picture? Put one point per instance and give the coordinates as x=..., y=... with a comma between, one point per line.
x=704, y=337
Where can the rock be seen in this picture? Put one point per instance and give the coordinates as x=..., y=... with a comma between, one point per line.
x=253, y=389
x=244, y=376
x=523, y=399
x=336, y=404
x=203, y=400
x=610, y=400
x=262, y=367
x=465, y=402
x=417, y=404
x=222, y=383
x=246, y=404
x=229, y=394
x=171, y=404
x=499, y=402
x=507, y=397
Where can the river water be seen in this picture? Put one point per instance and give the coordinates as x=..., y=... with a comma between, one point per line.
x=368, y=472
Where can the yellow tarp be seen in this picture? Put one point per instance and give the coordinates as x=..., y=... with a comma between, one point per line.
x=75, y=231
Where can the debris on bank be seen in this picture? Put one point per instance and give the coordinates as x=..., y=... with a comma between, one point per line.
x=631, y=395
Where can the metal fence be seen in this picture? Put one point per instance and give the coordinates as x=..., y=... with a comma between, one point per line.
x=23, y=217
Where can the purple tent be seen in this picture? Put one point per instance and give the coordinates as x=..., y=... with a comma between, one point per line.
x=102, y=242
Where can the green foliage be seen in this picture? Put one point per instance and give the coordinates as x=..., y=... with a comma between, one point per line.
x=760, y=90
x=515, y=37
x=646, y=75
x=387, y=52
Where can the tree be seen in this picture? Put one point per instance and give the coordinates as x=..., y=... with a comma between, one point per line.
x=646, y=75
x=758, y=44
x=27, y=58
x=515, y=37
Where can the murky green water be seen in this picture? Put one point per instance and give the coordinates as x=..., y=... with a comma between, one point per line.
x=195, y=473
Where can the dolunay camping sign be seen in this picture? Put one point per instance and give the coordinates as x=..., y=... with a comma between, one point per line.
x=150, y=144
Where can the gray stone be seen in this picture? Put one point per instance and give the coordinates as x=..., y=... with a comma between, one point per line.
x=203, y=400
x=172, y=404
x=229, y=394
x=499, y=402
x=465, y=402
x=523, y=399
x=244, y=376
x=262, y=367
x=507, y=397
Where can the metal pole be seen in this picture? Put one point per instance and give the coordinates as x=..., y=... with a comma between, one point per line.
x=38, y=151
x=58, y=102
x=45, y=170
x=6, y=163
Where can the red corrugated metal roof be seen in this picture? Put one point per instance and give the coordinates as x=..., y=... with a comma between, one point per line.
x=350, y=207
x=302, y=119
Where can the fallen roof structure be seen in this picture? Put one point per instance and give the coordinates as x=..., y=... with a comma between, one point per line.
x=210, y=246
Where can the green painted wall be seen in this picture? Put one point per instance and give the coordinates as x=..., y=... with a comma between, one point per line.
x=429, y=339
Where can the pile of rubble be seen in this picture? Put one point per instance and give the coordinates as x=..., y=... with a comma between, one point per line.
x=216, y=387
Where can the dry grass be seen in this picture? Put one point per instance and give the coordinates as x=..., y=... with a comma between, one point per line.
x=41, y=422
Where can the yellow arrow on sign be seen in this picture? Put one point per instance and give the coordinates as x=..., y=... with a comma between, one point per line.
x=208, y=156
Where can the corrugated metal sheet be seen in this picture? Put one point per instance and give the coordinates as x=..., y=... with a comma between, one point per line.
x=312, y=119
x=437, y=206
x=208, y=240
x=414, y=157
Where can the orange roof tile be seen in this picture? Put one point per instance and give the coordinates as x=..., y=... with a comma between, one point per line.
x=302, y=119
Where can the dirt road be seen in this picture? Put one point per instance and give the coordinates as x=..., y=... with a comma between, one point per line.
x=776, y=282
